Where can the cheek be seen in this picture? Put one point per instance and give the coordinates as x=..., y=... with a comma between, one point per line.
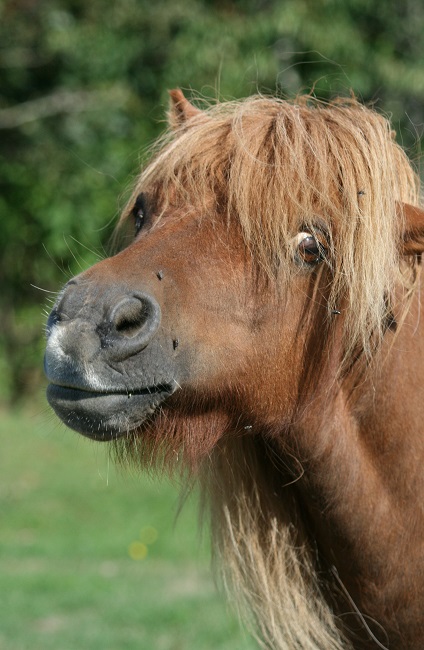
x=211, y=321
x=238, y=341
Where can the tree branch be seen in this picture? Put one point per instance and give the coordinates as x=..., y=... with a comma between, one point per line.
x=62, y=101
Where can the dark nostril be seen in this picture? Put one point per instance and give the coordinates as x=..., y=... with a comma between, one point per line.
x=133, y=322
x=129, y=317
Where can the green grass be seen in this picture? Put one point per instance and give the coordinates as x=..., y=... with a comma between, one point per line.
x=67, y=578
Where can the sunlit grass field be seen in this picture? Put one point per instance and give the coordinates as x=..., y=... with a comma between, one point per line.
x=93, y=558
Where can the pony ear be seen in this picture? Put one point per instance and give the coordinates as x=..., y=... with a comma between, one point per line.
x=180, y=109
x=413, y=233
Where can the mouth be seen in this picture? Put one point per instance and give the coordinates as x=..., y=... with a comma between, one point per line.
x=107, y=415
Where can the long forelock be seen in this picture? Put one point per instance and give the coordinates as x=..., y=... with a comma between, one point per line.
x=279, y=166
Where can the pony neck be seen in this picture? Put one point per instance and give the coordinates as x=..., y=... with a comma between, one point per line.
x=361, y=450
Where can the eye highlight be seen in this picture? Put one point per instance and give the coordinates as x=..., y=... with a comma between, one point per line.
x=139, y=213
x=310, y=249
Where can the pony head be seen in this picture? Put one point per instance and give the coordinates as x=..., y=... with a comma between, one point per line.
x=267, y=242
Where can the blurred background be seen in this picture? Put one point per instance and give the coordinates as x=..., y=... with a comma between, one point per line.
x=91, y=558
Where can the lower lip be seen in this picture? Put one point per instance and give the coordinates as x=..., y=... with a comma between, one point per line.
x=105, y=416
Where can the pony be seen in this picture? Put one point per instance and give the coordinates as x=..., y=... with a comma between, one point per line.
x=261, y=333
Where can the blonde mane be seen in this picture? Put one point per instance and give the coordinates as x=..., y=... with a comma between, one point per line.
x=278, y=167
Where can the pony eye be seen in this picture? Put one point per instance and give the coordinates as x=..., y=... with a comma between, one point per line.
x=139, y=220
x=309, y=249
x=139, y=213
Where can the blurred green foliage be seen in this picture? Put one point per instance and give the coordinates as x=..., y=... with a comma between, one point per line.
x=83, y=92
